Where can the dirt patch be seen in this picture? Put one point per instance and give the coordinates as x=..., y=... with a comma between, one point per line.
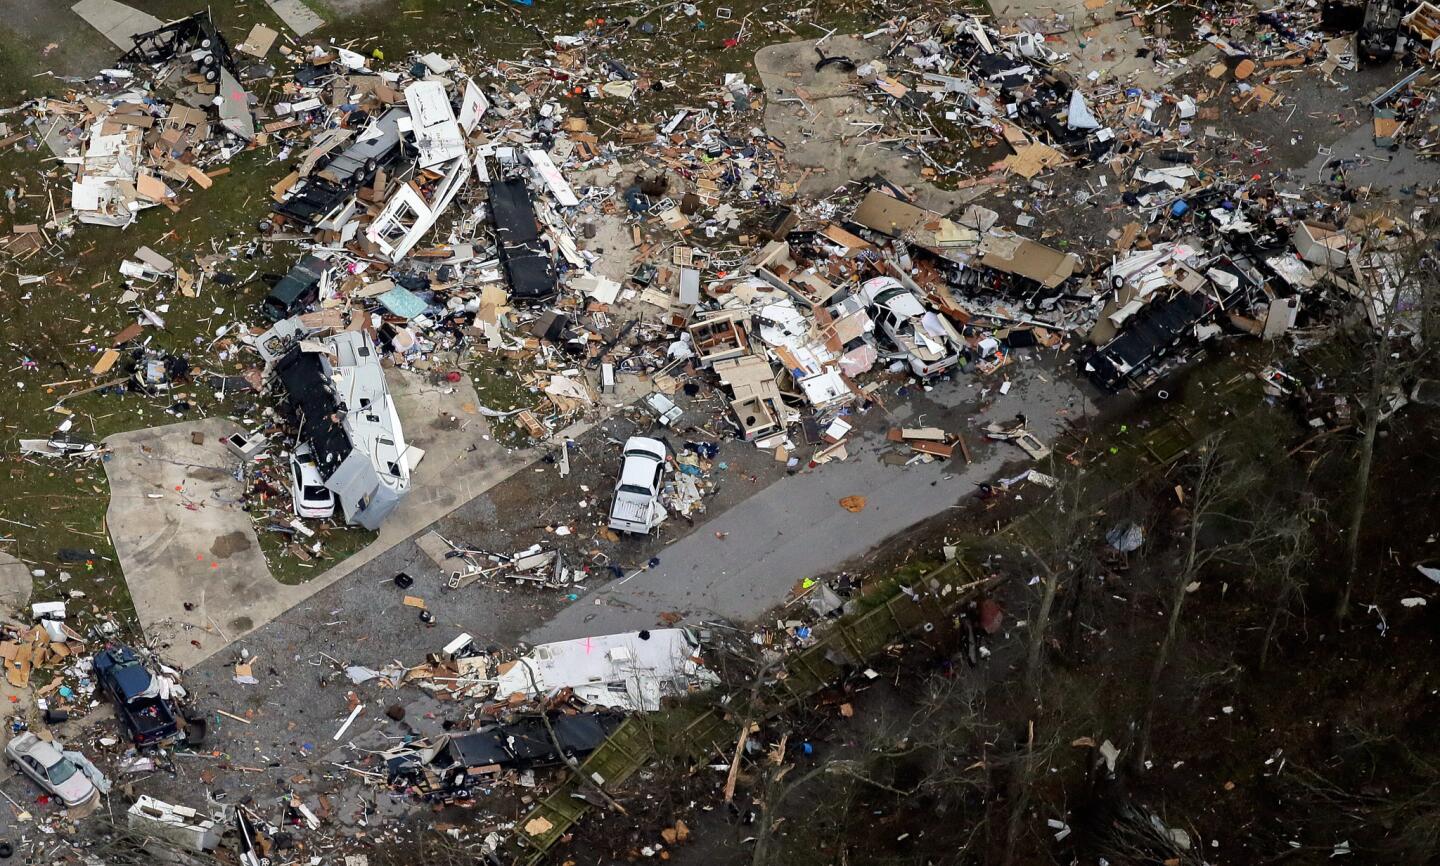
x=828, y=131
x=230, y=544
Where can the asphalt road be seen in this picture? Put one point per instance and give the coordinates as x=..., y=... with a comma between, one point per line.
x=741, y=564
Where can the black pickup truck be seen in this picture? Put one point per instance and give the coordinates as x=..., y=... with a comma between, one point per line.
x=149, y=718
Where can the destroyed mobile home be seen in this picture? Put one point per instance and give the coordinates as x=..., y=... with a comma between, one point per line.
x=130, y=151
x=580, y=691
x=428, y=226
x=432, y=213
x=450, y=766
x=411, y=146
x=632, y=672
x=336, y=389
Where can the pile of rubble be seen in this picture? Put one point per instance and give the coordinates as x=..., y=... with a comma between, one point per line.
x=129, y=149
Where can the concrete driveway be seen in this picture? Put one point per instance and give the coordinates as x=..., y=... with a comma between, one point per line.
x=189, y=553
x=16, y=585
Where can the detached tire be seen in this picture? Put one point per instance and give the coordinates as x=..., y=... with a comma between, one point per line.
x=6, y=850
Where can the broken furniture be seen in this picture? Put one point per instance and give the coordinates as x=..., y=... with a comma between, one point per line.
x=1021, y=437
x=720, y=336
x=246, y=446
x=664, y=409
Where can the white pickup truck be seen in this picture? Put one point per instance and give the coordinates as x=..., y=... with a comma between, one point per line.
x=637, y=505
x=923, y=339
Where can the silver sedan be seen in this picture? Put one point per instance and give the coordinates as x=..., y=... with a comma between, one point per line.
x=51, y=770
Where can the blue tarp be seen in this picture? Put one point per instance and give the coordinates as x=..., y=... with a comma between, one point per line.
x=403, y=302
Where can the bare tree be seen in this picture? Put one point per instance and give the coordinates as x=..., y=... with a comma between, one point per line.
x=943, y=737
x=1285, y=570
x=116, y=843
x=1136, y=835
x=1042, y=744
x=1396, y=285
x=1209, y=530
x=775, y=789
x=1059, y=541
x=1021, y=783
x=1382, y=785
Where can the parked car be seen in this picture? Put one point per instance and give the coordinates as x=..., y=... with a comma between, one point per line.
x=51, y=770
x=637, y=505
x=312, y=498
x=148, y=717
x=923, y=339
x=297, y=290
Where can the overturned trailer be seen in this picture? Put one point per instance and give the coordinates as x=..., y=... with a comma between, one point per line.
x=195, y=37
x=529, y=265
x=129, y=157
x=326, y=197
x=1161, y=330
x=412, y=160
x=1163, y=302
x=631, y=671
x=449, y=767
x=346, y=415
